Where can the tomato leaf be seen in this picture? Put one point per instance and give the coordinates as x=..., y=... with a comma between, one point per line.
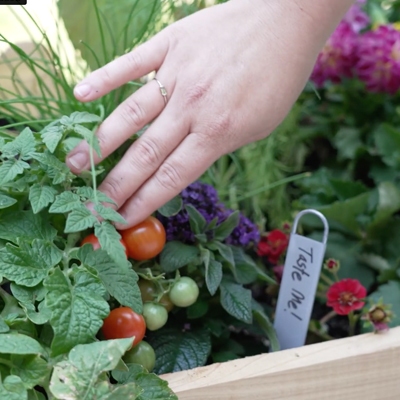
x=6, y=201
x=26, y=226
x=82, y=376
x=89, y=136
x=236, y=300
x=12, y=388
x=16, y=343
x=28, y=264
x=55, y=169
x=153, y=387
x=79, y=220
x=224, y=229
x=179, y=351
x=109, y=214
x=32, y=369
x=23, y=145
x=87, y=193
x=65, y=202
x=120, y=283
x=40, y=196
x=109, y=240
x=176, y=255
x=84, y=118
x=172, y=207
x=4, y=328
x=10, y=169
x=77, y=313
x=27, y=297
x=51, y=136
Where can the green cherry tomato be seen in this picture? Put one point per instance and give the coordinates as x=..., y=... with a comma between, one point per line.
x=142, y=354
x=184, y=292
x=166, y=302
x=147, y=290
x=155, y=315
x=149, y=294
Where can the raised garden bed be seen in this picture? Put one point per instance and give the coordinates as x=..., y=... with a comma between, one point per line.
x=362, y=367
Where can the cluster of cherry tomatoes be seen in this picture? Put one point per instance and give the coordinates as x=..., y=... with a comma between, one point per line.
x=143, y=242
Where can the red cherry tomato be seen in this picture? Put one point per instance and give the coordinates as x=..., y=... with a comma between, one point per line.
x=145, y=240
x=123, y=323
x=96, y=244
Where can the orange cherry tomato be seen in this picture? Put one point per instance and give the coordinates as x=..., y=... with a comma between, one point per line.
x=145, y=240
x=96, y=244
x=123, y=323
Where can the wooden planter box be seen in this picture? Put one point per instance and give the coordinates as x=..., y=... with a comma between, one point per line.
x=365, y=367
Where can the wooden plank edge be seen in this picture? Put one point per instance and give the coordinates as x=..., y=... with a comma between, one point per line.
x=363, y=367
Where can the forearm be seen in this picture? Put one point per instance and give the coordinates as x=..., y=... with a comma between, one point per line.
x=324, y=15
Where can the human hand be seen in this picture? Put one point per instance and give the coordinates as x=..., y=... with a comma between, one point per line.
x=232, y=73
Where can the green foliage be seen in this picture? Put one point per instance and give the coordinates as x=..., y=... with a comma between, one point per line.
x=179, y=351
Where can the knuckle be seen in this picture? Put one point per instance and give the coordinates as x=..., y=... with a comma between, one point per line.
x=221, y=124
x=134, y=59
x=169, y=177
x=112, y=187
x=148, y=152
x=195, y=93
x=133, y=113
x=218, y=129
x=106, y=76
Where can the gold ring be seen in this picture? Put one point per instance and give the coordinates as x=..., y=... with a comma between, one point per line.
x=162, y=90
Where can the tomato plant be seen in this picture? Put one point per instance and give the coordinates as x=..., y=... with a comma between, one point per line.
x=142, y=354
x=145, y=240
x=92, y=239
x=166, y=302
x=184, y=292
x=122, y=323
x=149, y=293
x=155, y=315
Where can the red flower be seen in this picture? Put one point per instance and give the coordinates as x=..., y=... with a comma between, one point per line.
x=345, y=296
x=273, y=245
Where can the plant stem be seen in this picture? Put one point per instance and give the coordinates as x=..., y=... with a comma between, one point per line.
x=6, y=362
x=92, y=166
x=352, y=323
x=327, y=317
x=330, y=282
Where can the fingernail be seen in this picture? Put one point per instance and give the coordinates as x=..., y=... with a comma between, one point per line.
x=78, y=160
x=82, y=90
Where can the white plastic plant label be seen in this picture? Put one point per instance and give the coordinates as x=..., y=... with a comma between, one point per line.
x=300, y=278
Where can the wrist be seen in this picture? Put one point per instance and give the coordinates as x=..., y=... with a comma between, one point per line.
x=324, y=15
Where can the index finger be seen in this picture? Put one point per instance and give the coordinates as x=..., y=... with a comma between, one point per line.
x=144, y=59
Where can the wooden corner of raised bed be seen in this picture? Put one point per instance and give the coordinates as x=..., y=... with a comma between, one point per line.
x=365, y=367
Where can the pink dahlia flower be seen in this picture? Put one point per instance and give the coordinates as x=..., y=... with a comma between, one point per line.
x=379, y=59
x=357, y=18
x=338, y=56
